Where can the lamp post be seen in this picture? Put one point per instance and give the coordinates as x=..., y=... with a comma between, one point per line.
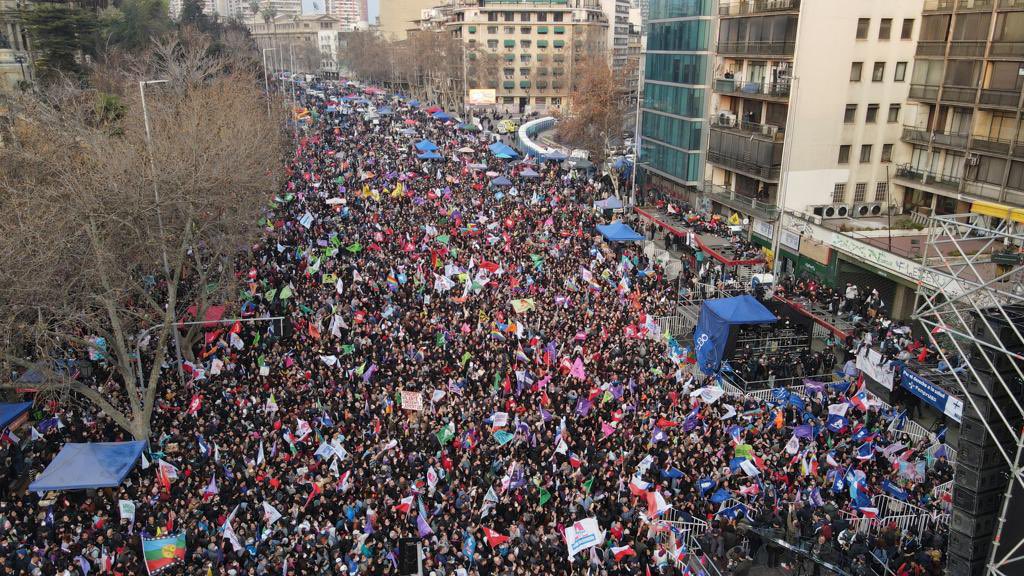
x=21, y=62
x=156, y=200
x=266, y=81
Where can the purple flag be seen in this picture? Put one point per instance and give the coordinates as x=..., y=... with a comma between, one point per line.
x=369, y=373
x=544, y=414
x=422, y=527
x=804, y=431
x=583, y=406
x=617, y=391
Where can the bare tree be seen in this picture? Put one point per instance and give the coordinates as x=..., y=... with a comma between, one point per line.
x=597, y=110
x=83, y=239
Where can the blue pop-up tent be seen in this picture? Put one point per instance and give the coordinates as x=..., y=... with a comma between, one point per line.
x=618, y=232
x=529, y=173
x=501, y=181
x=609, y=203
x=502, y=150
x=429, y=156
x=80, y=466
x=716, y=316
x=555, y=155
x=426, y=146
x=11, y=411
x=442, y=115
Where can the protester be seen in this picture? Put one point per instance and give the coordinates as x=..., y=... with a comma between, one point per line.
x=462, y=363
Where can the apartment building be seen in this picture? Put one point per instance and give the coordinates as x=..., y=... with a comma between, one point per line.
x=673, y=117
x=965, y=138
x=617, y=12
x=293, y=38
x=537, y=45
x=399, y=16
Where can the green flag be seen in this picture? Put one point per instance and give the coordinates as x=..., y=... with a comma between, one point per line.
x=269, y=295
x=465, y=358
x=261, y=361
x=348, y=348
x=446, y=433
x=443, y=239
x=588, y=484
x=286, y=292
x=361, y=369
x=354, y=247
x=335, y=241
x=440, y=340
x=544, y=496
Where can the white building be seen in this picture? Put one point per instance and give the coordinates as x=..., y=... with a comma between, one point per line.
x=617, y=12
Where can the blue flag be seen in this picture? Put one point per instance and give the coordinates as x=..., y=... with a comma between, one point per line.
x=836, y=423
x=705, y=485
x=896, y=491
x=720, y=495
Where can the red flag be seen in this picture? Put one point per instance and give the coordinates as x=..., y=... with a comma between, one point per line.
x=195, y=404
x=663, y=423
x=313, y=494
x=493, y=538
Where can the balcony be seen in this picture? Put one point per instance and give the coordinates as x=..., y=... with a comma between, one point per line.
x=749, y=206
x=967, y=49
x=759, y=90
x=756, y=48
x=974, y=5
x=938, y=6
x=745, y=147
x=959, y=94
x=1011, y=4
x=991, y=144
x=1000, y=98
x=747, y=167
x=1014, y=50
x=919, y=178
x=749, y=7
x=924, y=92
x=923, y=136
x=767, y=132
x=931, y=48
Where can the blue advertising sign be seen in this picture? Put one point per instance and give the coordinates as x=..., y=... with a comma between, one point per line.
x=935, y=397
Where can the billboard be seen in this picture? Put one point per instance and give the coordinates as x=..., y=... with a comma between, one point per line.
x=482, y=96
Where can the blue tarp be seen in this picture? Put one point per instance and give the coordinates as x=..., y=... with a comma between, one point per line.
x=414, y=103
x=429, y=156
x=9, y=412
x=501, y=181
x=385, y=110
x=502, y=150
x=609, y=203
x=555, y=155
x=716, y=316
x=442, y=115
x=426, y=146
x=618, y=232
x=91, y=465
x=529, y=173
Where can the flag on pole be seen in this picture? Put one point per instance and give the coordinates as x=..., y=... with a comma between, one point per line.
x=493, y=538
x=162, y=553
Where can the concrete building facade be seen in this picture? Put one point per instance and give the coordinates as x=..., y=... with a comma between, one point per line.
x=15, y=60
x=398, y=16
x=292, y=35
x=538, y=45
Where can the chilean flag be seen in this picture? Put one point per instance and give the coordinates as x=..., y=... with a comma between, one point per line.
x=638, y=487
x=494, y=539
x=405, y=505
x=656, y=504
x=621, y=552
x=868, y=511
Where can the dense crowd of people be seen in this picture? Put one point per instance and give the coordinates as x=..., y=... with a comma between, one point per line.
x=468, y=364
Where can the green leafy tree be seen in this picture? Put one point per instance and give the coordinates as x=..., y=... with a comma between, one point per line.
x=140, y=22
x=62, y=36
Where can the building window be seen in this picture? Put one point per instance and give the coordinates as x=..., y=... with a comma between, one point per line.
x=556, y=17
x=556, y=101
x=510, y=29
x=492, y=17
x=508, y=16
x=901, y=72
x=492, y=44
x=885, y=29
x=525, y=43
x=865, y=154
x=881, y=190
x=851, y=114
x=524, y=16
x=908, y=29
x=872, y=116
x=844, y=153
x=886, y=152
x=894, y=113
x=524, y=30
x=860, y=191
x=542, y=17
x=540, y=100
x=839, y=193
x=862, y=28
x=855, y=69
x=878, y=73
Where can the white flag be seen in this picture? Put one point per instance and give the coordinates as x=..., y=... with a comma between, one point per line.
x=259, y=455
x=749, y=468
x=229, y=533
x=270, y=514
x=793, y=446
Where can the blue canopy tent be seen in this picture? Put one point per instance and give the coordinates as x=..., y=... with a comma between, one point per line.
x=477, y=166
x=609, y=203
x=414, y=103
x=80, y=466
x=429, y=156
x=501, y=181
x=442, y=115
x=407, y=131
x=555, y=155
x=385, y=110
x=624, y=166
x=9, y=412
x=529, y=173
x=716, y=316
x=426, y=146
x=502, y=150
x=618, y=232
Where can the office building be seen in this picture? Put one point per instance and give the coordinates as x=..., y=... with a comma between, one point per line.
x=296, y=38
x=965, y=139
x=537, y=47
x=673, y=111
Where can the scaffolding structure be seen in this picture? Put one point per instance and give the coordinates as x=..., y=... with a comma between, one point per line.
x=973, y=265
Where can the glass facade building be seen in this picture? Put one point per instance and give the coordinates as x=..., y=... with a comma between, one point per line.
x=673, y=114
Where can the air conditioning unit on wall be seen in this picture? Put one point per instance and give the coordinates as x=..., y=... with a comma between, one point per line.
x=867, y=209
x=831, y=210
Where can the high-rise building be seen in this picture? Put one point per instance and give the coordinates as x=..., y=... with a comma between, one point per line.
x=673, y=115
x=347, y=12
x=965, y=140
x=399, y=16
x=528, y=51
x=617, y=12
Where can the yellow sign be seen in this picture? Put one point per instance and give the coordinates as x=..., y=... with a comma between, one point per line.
x=734, y=219
x=482, y=96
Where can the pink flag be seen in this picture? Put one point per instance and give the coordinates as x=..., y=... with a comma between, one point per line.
x=606, y=430
x=577, y=370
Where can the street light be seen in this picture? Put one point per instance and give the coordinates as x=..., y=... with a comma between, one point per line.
x=266, y=82
x=21, y=61
x=156, y=199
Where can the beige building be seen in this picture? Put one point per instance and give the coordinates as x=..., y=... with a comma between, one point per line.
x=293, y=39
x=15, y=63
x=527, y=51
x=808, y=102
x=398, y=16
x=965, y=140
